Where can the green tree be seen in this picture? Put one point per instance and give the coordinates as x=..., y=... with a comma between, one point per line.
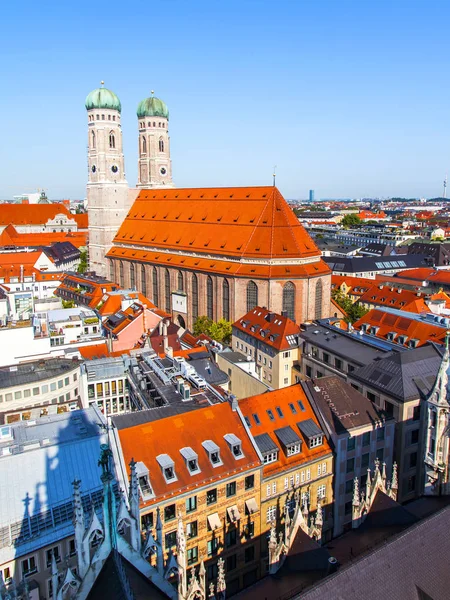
x=82, y=267
x=202, y=325
x=219, y=331
x=354, y=311
x=351, y=220
x=68, y=304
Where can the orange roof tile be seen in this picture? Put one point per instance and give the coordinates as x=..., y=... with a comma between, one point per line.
x=282, y=399
x=441, y=296
x=391, y=297
x=110, y=303
x=424, y=274
x=32, y=214
x=82, y=220
x=268, y=328
x=388, y=323
x=10, y=237
x=223, y=267
x=357, y=285
x=234, y=222
x=145, y=442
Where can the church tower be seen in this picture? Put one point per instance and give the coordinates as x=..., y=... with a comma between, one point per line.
x=154, y=166
x=436, y=434
x=107, y=188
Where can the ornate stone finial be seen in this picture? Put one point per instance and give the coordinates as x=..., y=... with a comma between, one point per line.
x=181, y=540
x=305, y=509
x=102, y=83
x=383, y=472
x=221, y=583
x=211, y=590
x=355, y=501
x=272, y=536
x=319, y=515
x=394, y=480
x=152, y=93
x=158, y=520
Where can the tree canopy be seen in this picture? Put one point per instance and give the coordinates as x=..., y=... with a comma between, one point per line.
x=354, y=311
x=219, y=331
x=351, y=220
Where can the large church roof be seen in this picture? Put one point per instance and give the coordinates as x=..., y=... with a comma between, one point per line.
x=249, y=222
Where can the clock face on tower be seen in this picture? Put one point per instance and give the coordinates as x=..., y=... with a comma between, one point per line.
x=114, y=169
x=94, y=168
x=163, y=170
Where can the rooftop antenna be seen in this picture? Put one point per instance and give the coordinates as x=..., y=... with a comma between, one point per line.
x=445, y=187
x=274, y=174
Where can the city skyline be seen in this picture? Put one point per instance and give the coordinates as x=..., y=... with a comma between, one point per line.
x=347, y=100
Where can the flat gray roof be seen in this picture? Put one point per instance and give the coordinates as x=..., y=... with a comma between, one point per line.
x=33, y=372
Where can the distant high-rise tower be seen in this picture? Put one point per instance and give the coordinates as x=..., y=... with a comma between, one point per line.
x=107, y=188
x=155, y=166
x=311, y=195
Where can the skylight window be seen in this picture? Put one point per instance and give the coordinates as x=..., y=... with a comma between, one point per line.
x=247, y=420
x=293, y=409
x=256, y=419
x=270, y=413
x=301, y=406
x=279, y=411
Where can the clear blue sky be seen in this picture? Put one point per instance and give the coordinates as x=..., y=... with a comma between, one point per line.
x=349, y=97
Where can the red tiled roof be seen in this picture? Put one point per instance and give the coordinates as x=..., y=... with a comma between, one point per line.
x=357, y=285
x=10, y=237
x=424, y=274
x=31, y=214
x=82, y=220
x=223, y=267
x=367, y=215
x=234, y=222
x=283, y=398
x=268, y=327
x=144, y=443
x=391, y=297
x=401, y=325
x=111, y=303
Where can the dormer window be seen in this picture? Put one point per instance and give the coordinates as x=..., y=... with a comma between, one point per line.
x=312, y=433
x=213, y=451
x=235, y=445
x=143, y=478
x=191, y=459
x=168, y=467
x=290, y=440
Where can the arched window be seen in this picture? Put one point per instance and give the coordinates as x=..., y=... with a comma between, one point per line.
x=194, y=297
x=149, y=124
x=252, y=295
x=226, y=300
x=289, y=300
x=144, y=145
x=318, y=302
x=103, y=117
x=167, y=289
x=154, y=124
x=143, y=280
x=111, y=270
x=132, y=276
x=180, y=281
x=121, y=279
x=112, y=140
x=109, y=117
x=161, y=145
x=209, y=298
x=93, y=138
x=155, y=286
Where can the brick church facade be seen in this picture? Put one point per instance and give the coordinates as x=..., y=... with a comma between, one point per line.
x=220, y=252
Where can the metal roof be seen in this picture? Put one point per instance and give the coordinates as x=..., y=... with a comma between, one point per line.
x=265, y=443
x=287, y=436
x=309, y=428
x=33, y=372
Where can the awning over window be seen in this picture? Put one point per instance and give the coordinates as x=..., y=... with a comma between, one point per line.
x=233, y=513
x=251, y=505
x=214, y=521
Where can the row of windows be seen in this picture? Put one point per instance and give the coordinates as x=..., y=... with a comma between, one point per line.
x=149, y=124
x=107, y=388
x=97, y=118
x=43, y=389
x=297, y=479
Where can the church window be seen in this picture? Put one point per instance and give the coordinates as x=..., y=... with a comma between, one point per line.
x=252, y=295
x=161, y=145
x=112, y=140
x=226, y=300
x=132, y=276
x=155, y=287
x=164, y=125
x=289, y=300
x=159, y=124
x=149, y=124
x=111, y=269
x=93, y=139
x=97, y=117
x=318, y=302
x=209, y=297
x=154, y=124
x=114, y=117
x=194, y=297
x=167, y=289
x=109, y=117
x=121, y=278
x=143, y=280
x=180, y=281
x=103, y=117
x=144, y=145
